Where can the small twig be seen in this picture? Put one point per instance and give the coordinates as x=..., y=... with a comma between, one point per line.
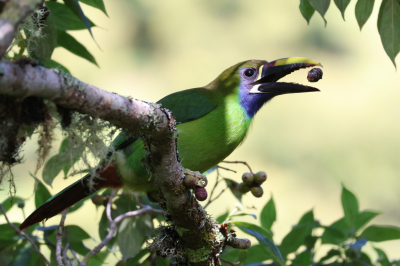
x=113, y=229
x=242, y=162
x=212, y=191
x=229, y=262
x=238, y=243
x=211, y=200
x=109, y=204
x=66, y=259
x=76, y=255
x=24, y=235
x=227, y=169
x=59, y=238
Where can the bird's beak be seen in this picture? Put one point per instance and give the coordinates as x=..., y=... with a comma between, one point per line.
x=271, y=72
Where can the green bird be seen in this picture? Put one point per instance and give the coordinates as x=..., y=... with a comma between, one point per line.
x=212, y=121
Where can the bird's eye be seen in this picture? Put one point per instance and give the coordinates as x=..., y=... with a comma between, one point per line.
x=249, y=72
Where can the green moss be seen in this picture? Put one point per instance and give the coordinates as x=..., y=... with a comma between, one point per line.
x=181, y=230
x=198, y=255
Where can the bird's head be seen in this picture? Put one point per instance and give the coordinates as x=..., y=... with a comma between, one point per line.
x=256, y=81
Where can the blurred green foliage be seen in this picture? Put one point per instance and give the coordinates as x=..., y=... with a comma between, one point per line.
x=343, y=241
x=345, y=238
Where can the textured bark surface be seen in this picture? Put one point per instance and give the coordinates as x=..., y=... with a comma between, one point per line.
x=154, y=123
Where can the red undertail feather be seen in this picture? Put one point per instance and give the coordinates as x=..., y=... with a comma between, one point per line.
x=108, y=178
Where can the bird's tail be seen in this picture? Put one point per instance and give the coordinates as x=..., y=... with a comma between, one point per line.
x=72, y=194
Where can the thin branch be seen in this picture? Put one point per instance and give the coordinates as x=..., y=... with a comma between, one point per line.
x=59, y=238
x=212, y=191
x=219, y=195
x=242, y=162
x=76, y=255
x=65, y=257
x=229, y=262
x=227, y=169
x=24, y=235
x=238, y=243
x=109, y=204
x=112, y=231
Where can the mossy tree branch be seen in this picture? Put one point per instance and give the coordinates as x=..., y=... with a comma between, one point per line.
x=11, y=15
x=155, y=124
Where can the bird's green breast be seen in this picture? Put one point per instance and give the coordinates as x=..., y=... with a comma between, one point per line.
x=202, y=143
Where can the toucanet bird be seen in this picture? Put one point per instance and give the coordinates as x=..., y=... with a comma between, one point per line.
x=211, y=123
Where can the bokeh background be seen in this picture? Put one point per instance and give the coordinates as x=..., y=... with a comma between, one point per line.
x=307, y=143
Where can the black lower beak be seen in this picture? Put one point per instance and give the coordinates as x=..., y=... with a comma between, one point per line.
x=271, y=72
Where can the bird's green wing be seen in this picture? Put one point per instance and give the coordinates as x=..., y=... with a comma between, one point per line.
x=189, y=104
x=186, y=106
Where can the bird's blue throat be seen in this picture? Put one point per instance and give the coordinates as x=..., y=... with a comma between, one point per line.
x=252, y=102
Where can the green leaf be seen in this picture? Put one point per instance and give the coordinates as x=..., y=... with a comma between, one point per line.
x=22, y=255
x=44, y=46
x=53, y=64
x=65, y=18
x=268, y=214
x=75, y=233
x=71, y=44
x=297, y=236
x=42, y=194
x=266, y=242
x=36, y=260
x=96, y=4
x=6, y=254
x=304, y=258
x=389, y=27
x=222, y=218
x=363, y=11
x=243, y=214
x=69, y=153
x=252, y=227
x=78, y=247
x=135, y=260
x=129, y=240
x=379, y=233
x=74, y=6
x=8, y=236
x=321, y=6
x=342, y=5
x=364, y=217
x=53, y=167
x=306, y=10
x=256, y=253
x=350, y=207
x=331, y=253
x=77, y=205
x=242, y=255
x=9, y=202
x=336, y=233
x=382, y=258
x=232, y=185
x=99, y=258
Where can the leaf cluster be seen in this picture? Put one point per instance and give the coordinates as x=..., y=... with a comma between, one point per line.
x=48, y=28
x=388, y=18
x=344, y=239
